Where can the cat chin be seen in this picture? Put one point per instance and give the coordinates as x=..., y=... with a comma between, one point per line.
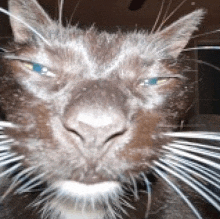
x=81, y=191
x=62, y=211
x=72, y=214
x=81, y=201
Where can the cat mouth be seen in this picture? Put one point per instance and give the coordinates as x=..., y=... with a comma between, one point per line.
x=71, y=199
x=81, y=192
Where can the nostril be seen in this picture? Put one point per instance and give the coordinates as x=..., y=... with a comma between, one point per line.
x=115, y=135
x=73, y=130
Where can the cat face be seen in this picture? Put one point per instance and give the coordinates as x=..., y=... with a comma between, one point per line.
x=91, y=107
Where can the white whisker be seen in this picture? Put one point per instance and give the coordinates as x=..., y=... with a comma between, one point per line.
x=6, y=142
x=10, y=170
x=194, y=157
x=29, y=189
x=196, y=144
x=2, y=154
x=26, y=185
x=47, y=191
x=197, y=183
x=149, y=197
x=74, y=11
x=61, y=5
x=178, y=191
x=199, y=168
x=195, y=150
x=158, y=17
x=125, y=203
x=27, y=25
x=4, y=136
x=61, y=11
x=135, y=190
x=167, y=9
x=4, y=148
x=204, y=34
x=202, y=48
x=189, y=183
x=16, y=181
x=122, y=210
x=204, y=63
x=4, y=124
x=116, y=203
x=5, y=156
x=1, y=48
x=170, y=15
x=46, y=211
x=24, y=173
x=111, y=211
x=182, y=166
x=195, y=134
x=3, y=163
x=40, y=200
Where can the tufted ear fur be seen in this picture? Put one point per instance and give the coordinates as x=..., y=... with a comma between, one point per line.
x=175, y=37
x=26, y=14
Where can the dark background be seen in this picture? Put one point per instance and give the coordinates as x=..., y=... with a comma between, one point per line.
x=128, y=15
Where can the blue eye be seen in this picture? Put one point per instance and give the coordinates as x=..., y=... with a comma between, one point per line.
x=40, y=69
x=37, y=68
x=153, y=81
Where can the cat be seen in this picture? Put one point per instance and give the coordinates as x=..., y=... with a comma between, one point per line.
x=89, y=121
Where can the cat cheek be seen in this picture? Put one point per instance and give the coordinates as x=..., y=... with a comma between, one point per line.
x=141, y=150
x=37, y=85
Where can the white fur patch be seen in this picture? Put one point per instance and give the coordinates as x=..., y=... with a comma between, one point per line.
x=95, y=121
x=84, y=194
x=73, y=214
x=81, y=190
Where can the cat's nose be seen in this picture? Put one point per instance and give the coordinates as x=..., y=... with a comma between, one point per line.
x=97, y=117
x=96, y=128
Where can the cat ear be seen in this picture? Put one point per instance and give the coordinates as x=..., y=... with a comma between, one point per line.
x=27, y=19
x=175, y=37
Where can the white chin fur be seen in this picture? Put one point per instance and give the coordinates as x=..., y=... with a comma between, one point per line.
x=85, y=201
x=78, y=190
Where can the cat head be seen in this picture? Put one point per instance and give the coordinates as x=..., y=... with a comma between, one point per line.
x=91, y=107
